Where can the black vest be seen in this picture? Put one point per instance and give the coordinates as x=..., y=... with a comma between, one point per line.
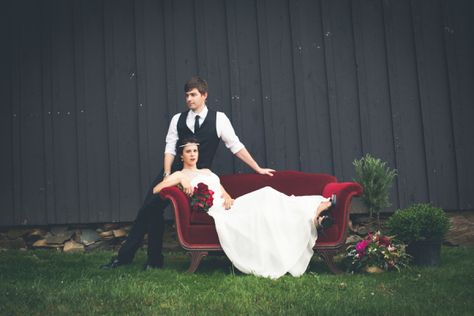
x=206, y=136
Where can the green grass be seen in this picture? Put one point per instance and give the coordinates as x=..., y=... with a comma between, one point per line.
x=54, y=283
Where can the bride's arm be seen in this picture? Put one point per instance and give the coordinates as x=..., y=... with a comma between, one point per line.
x=174, y=179
x=228, y=200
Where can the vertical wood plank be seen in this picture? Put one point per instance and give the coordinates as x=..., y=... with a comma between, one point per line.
x=94, y=112
x=111, y=104
x=15, y=77
x=273, y=158
x=245, y=84
x=285, y=147
x=156, y=84
x=173, y=89
x=31, y=157
x=434, y=101
x=459, y=47
x=80, y=117
x=404, y=98
x=331, y=86
x=311, y=86
x=342, y=83
x=47, y=99
x=6, y=117
x=373, y=85
x=184, y=48
x=141, y=87
x=234, y=74
x=304, y=138
x=126, y=108
x=65, y=145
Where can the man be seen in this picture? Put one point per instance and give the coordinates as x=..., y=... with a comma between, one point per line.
x=208, y=127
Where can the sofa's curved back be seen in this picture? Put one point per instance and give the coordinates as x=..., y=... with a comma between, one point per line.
x=289, y=182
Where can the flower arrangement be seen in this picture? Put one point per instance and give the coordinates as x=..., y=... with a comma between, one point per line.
x=202, y=198
x=377, y=253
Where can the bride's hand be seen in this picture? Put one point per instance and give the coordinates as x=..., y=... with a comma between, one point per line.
x=228, y=201
x=187, y=187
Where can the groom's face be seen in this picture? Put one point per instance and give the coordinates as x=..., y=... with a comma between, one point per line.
x=195, y=100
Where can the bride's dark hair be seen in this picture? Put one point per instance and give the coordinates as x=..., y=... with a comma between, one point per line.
x=188, y=140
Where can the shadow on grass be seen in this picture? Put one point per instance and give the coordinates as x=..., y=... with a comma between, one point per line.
x=218, y=262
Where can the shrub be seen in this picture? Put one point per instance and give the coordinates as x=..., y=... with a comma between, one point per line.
x=376, y=179
x=421, y=221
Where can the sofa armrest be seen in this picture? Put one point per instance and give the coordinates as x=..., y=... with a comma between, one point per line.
x=343, y=188
x=181, y=208
x=344, y=192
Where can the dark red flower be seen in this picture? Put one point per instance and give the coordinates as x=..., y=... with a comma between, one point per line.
x=202, y=198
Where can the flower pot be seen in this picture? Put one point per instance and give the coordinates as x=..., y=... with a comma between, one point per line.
x=425, y=252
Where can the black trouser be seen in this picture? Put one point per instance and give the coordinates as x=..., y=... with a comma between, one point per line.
x=149, y=220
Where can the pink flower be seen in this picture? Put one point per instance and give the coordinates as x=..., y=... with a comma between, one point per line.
x=362, y=245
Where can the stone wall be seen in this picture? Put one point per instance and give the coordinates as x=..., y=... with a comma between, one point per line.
x=82, y=238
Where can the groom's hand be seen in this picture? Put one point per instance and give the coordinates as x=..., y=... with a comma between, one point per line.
x=266, y=171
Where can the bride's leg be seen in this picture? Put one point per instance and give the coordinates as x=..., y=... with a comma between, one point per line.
x=322, y=206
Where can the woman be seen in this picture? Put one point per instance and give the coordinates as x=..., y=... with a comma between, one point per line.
x=265, y=232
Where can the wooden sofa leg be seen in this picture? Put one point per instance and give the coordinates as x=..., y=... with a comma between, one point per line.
x=196, y=257
x=328, y=257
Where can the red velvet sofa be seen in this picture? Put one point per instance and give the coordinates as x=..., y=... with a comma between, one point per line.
x=197, y=234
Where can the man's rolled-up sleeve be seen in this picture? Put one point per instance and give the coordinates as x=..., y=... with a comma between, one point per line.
x=172, y=136
x=226, y=132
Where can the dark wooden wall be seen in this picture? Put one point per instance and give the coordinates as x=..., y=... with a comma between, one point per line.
x=88, y=88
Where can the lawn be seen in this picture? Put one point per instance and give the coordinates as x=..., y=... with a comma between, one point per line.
x=54, y=283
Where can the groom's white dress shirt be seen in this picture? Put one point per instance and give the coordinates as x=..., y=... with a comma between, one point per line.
x=224, y=130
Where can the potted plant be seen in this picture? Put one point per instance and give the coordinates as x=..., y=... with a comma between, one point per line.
x=376, y=178
x=422, y=227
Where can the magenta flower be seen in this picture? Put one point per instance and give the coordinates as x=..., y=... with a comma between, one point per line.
x=362, y=245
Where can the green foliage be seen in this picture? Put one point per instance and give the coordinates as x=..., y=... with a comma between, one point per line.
x=376, y=179
x=421, y=221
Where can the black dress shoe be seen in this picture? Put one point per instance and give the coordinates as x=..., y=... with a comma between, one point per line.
x=114, y=263
x=152, y=266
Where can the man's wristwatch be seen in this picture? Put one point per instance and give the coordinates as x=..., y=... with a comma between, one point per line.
x=165, y=174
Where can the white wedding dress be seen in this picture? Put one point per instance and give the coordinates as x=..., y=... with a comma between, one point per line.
x=265, y=233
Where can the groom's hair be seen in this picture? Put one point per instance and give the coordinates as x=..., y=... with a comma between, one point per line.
x=196, y=82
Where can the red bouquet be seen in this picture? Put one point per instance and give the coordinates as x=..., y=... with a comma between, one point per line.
x=202, y=198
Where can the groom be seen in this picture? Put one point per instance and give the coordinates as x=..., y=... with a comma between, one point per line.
x=208, y=127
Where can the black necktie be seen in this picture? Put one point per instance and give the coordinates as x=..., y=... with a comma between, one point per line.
x=196, y=124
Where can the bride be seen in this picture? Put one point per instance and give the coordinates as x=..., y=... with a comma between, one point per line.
x=264, y=232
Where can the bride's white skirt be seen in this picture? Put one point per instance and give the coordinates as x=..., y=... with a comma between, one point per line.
x=268, y=233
